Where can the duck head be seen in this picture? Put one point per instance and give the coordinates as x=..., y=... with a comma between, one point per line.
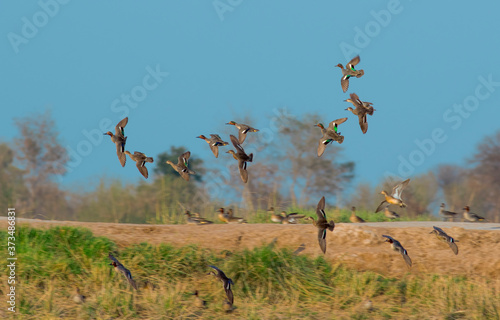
x=231, y=122
x=320, y=125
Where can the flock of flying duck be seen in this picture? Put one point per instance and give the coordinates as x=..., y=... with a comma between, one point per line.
x=330, y=134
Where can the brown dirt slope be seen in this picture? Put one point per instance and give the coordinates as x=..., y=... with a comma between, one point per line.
x=357, y=245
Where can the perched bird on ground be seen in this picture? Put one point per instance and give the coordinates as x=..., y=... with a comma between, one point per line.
x=181, y=166
x=214, y=142
x=232, y=219
x=275, y=217
x=446, y=214
x=390, y=214
x=395, y=197
x=354, y=218
x=243, y=129
x=472, y=217
x=191, y=219
x=198, y=302
x=242, y=158
x=119, y=140
x=329, y=134
x=140, y=161
x=349, y=72
x=227, y=282
x=441, y=235
x=322, y=224
x=361, y=109
x=396, y=246
x=78, y=297
x=118, y=267
x=290, y=218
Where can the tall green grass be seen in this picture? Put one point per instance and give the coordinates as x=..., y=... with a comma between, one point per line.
x=269, y=283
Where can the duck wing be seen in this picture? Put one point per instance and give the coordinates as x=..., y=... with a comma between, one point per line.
x=141, y=165
x=353, y=62
x=320, y=212
x=398, y=189
x=363, y=123
x=322, y=238
x=183, y=159
x=382, y=205
x=120, y=151
x=120, y=127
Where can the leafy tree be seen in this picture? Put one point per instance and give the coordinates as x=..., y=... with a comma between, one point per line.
x=486, y=176
x=163, y=168
x=13, y=192
x=42, y=157
x=308, y=174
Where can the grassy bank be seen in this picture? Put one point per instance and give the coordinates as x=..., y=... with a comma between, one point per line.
x=269, y=284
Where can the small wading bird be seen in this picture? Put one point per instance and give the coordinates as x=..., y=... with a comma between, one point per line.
x=78, y=297
x=243, y=129
x=198, y=302
x=322, y=224
x=446, y=214
x=227, y=282
x=472, y=217
x=121, y=269
x=361, y=109
x=395, y=197
x=354, y=218
x=390, y=214
x=191, y=219
x=441, y=235
x=140, y=161
x=181, y=166
x=214, y=142
x=242, y=158
x=119, y=140
x=349, y=72
x=329, y=134
x=396, y=246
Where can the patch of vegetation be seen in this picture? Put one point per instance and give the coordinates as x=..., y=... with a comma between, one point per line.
x=268, y=283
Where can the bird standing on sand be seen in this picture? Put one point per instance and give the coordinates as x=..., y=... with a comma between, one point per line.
x=354, y=218
x=472, y=217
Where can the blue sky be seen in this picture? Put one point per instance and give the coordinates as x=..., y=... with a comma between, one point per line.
x=187, y=68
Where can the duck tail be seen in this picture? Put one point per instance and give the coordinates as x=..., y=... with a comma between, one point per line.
x=361, y=72
x=251, y=157
x=341, y=139
x=149, y=159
